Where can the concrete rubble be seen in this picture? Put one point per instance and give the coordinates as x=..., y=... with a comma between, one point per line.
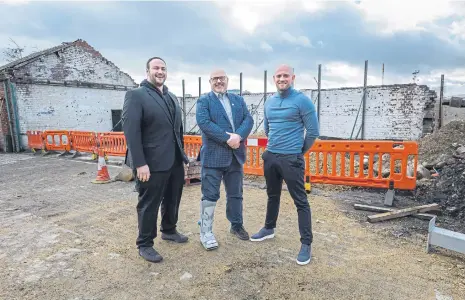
x=442, y=170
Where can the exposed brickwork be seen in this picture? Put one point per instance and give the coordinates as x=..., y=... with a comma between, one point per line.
x=49, y=106
x=76, y=63
x=392, y=112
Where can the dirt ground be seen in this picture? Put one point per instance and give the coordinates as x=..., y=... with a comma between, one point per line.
x=62, y=237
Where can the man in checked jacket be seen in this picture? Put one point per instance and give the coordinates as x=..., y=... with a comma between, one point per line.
x=225, y=123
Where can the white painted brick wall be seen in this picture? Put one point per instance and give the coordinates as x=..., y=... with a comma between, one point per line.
x=392, y=112
x=42, y=107
x=75, y=63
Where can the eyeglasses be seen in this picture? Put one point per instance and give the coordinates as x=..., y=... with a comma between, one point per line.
x=215, y=79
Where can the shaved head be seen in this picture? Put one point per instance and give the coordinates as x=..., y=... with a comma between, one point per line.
x=219, y=81
x=284, y=68
x=283, y=77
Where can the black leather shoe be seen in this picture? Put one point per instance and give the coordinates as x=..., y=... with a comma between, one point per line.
x=240, y=233
x=149, y=254
x=175, y=237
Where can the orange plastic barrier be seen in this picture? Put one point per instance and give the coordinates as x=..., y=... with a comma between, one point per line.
x=344, y=162
x=254, y=150
x=192, y=144
x=354, y=163
x=57, y=140
x=83, y=141
x=337, y=162
x=112, y=143
x=35, y=140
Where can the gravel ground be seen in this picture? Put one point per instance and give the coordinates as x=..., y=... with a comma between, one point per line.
x=62, y=237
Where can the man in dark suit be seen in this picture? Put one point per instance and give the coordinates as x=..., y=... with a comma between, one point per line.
x=154, y=134
x=225, y=123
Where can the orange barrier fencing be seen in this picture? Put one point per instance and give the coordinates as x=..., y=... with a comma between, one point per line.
x=35, y=140
x=255, y=148
x=380, y=164
x=112, y=143
x=84, y=141
x=363, y=163
x=355, y=163
x=192, y=144
x=57, y=140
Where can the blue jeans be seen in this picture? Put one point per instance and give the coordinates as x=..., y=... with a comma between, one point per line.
x=232, y=177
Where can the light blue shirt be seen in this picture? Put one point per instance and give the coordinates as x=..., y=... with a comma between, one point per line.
x=287, y=116
x=227, y=107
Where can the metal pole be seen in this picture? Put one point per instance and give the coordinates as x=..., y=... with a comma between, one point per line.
x=382, y=75
x=10, y=122
x=264, y=94
x=364, y=99
x=240, y=84
x=293, y=83
x=319, y=92
x=200, y=86
x=441, y=98
x=184, y=106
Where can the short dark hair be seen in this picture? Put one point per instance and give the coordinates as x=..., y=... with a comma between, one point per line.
x=147, y=66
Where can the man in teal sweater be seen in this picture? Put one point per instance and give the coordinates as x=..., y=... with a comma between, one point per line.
x=288, y=114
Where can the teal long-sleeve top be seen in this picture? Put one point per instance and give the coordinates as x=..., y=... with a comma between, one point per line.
x=287, y=116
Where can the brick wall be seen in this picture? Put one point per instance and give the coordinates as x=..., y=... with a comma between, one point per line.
x=42, y=107
x=80, y=63
x=392, y=112
x=51, y=106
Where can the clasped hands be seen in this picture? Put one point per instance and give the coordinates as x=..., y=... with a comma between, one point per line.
x=234, y=140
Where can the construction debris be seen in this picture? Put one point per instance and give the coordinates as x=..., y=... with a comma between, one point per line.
x=125, y=175
x=385, y=209
x=442, y=180
x=444, y=238
x=192, y=170
x=402, y=212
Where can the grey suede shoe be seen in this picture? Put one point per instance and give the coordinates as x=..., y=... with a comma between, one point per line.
x=305, y=254
x=175, y=237
x=149, y=254
x=263, y=234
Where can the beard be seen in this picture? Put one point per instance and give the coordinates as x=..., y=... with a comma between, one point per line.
x=157, y=81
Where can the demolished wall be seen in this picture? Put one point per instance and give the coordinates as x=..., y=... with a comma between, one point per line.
x=398, y=112
x=74, y=88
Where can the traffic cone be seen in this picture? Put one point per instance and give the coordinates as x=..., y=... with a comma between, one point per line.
x=102, y=174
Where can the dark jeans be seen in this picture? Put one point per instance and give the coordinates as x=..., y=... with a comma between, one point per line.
x=163, y=188
x=291, y=169
x=232, y=177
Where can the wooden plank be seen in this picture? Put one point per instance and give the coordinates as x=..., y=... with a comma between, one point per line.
x=385, y=209
x=402, y=212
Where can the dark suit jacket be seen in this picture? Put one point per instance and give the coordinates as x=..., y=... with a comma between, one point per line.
x=214, y=123
x=152, y=136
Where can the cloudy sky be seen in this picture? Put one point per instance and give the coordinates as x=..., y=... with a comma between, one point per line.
x=249, y=36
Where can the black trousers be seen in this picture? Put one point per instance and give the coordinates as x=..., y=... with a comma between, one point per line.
x=163, y=188
x=291, y=169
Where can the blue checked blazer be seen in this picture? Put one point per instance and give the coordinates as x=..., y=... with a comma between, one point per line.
x=214, y=123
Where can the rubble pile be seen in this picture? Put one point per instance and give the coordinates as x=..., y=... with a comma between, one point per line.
x=441, y=170
x=192, y=170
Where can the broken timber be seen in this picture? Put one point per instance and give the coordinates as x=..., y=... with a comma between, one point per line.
x=385, y=209
x=402, y=212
